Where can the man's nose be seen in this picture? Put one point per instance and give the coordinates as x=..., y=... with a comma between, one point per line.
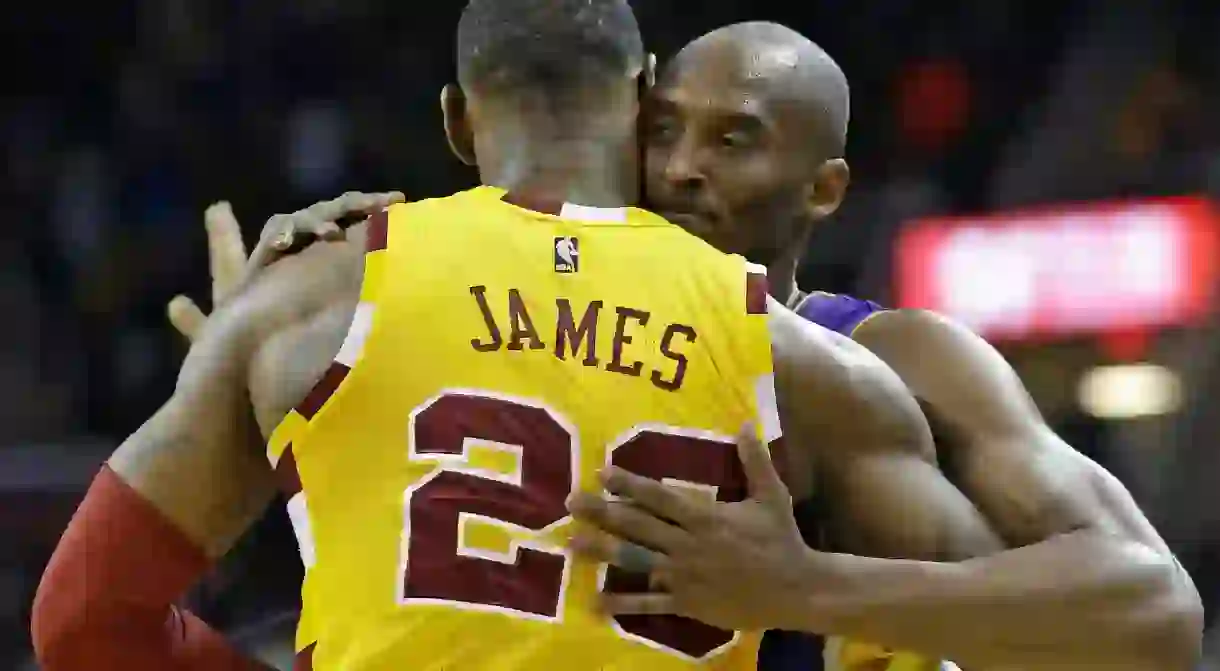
x=684, y=169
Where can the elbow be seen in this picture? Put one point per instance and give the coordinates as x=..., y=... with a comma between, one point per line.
x=70, y=623
x=57, y=627
x=1177, y=642
x=1167, y=620
x=72, y=631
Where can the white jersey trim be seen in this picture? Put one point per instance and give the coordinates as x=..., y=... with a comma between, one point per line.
x=357, y=334
x=298, y=514
x=587, y=213
x=768, y=407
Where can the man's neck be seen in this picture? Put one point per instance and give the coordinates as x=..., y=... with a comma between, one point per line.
x=589, y=173
x=781, y=280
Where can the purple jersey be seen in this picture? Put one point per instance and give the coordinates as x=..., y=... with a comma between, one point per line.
x=790, y=650
x=836, y=312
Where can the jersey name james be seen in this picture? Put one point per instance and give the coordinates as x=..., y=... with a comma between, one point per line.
x=580, y=333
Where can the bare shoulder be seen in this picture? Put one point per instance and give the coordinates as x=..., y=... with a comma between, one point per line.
x=950, y=368
x=885, y=331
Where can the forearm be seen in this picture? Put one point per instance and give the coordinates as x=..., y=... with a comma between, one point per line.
x=105, y=601
x=1075, y=602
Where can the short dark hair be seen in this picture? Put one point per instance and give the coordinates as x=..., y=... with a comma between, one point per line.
x=546, y=46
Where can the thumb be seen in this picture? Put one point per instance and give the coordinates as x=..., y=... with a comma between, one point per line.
x=761, y=476
x=186, y=317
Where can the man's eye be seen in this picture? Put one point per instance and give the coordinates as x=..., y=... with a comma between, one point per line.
x=734, y=140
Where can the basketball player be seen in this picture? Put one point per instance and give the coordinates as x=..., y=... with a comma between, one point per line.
x=747, y=130
x=516, y=365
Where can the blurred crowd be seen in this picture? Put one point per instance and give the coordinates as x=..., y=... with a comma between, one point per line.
x=123, y=120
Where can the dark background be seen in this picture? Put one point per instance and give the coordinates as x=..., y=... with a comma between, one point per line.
x=122, y=120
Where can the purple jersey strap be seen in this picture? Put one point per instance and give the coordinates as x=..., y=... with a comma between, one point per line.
x=836, y=312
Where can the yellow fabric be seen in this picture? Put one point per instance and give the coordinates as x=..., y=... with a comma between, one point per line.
x=436, y=476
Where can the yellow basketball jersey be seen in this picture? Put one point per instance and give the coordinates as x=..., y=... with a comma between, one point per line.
x=498, y=359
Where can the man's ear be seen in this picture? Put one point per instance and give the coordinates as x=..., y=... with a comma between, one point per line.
x=457, y=124
x=828, y=188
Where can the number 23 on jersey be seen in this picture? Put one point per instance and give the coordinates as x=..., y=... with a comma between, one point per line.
x=530, y=582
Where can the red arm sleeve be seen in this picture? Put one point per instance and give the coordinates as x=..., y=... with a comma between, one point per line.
x=304, y=659
x=105, y=601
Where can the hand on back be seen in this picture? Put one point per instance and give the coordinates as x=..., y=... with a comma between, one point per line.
x=282, y=235
x=739, y=565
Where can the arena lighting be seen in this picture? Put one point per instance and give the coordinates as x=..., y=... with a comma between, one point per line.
x=1130, y=391
x=1089, y=269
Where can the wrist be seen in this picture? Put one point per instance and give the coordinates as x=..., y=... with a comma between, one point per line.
x=845, y=594
x=824, y=585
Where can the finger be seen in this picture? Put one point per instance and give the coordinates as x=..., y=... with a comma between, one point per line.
x=639, y=604
x=286, y=234
x=306, y=229
x=186, y=317
x=666, y=501
x=353, y=203
x=593, y=545
x=328, y=231
x=286, y=238
x=226, y=250
x=659, y=578
x=635, y=558
x=384, y=200
x=602, y=549
x=277, y=237
x=626, y=522
x=607, y=550
x=762, y=478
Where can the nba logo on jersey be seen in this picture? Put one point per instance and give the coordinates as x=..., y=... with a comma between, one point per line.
x=567, y=255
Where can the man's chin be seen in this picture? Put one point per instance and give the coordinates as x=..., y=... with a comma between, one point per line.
x=707, y=229
x=696, y=224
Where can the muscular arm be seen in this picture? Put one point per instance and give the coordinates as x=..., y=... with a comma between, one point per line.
x=876, y=477
x=1092, y=585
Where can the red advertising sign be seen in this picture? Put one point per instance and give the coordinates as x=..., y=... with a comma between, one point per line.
x=1083, y=269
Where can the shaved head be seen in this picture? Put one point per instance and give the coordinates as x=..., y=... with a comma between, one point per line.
x=745, y=134
x=783, y=64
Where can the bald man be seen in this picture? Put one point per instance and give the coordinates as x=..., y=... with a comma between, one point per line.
x=745, y=147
